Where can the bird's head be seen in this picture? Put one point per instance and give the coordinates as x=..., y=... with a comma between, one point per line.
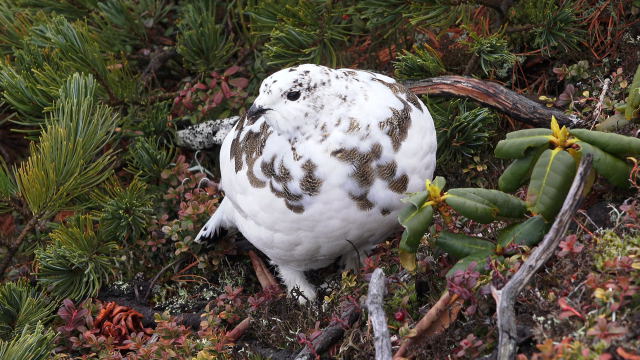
x=294, y=99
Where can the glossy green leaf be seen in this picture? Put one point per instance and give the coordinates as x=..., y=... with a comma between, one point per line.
x=613, y=123
x=460, y=245
x=480, y=259
x=528, y=232
x=518, y=172
x=507, y=205
x=615, y=144
x=528, y=133
x=416, y=199
x=516, y=148
x=551, y=179
x=485, y=205
x=440, y=182
x=473, y=207
x=416, y=221
x=616, y=171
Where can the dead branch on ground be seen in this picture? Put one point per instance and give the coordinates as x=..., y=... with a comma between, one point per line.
x=375, y=300
x=506, y=298
x=495, y=96
x=331, y=334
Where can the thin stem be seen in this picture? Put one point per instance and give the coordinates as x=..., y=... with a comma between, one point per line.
x=13, y=248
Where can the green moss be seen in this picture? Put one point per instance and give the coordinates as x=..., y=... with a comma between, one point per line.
x=610, y=246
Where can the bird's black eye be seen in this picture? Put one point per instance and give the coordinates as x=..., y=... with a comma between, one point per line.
x=293, y=95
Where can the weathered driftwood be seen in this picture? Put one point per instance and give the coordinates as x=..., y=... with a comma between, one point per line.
x=495, y=96
x=331, y=334
x=506, y=298
x=375, y=300
x=205, y=135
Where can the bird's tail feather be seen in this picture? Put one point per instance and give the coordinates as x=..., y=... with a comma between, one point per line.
x=218, y=220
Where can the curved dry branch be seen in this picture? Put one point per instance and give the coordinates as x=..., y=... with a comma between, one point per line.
x=495, y=96
x=506, y=298
x=331, y=334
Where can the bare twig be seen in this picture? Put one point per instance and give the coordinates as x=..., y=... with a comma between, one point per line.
x=519, y=28
x=155, y=278
x=506, y=297
x=20, y=207
x=375, y=299
x=600, y=104
x=331, y=333
x=161, y=97
x=501, y=6
x=15, y=245
x=493, y=95
x=471, y=65
x=434, y=322
x=158, y=58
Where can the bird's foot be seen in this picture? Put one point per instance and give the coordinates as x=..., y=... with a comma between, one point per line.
x=295, y=279
x=353, y=261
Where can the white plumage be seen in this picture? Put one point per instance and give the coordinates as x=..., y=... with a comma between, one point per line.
x=319, y=165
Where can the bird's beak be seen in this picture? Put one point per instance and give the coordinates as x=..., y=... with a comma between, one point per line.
x=255, y=111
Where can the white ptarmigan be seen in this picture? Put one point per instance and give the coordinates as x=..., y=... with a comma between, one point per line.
x=318, y=165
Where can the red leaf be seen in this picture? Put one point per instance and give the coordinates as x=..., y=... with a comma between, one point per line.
x=187, y=103
x=218, y=97
x=63, y=215
x=200, y=86
x=225, y=89
x=240, y=83
x=627, y=355
x=570, y=245
x=232, y=70
x=568, y=309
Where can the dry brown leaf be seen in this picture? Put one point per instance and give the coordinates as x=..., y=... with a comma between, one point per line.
x=434, y=322
x=265, y=277
x=235, y=334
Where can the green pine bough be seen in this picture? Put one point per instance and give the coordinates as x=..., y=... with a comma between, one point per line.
x=547, y=160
